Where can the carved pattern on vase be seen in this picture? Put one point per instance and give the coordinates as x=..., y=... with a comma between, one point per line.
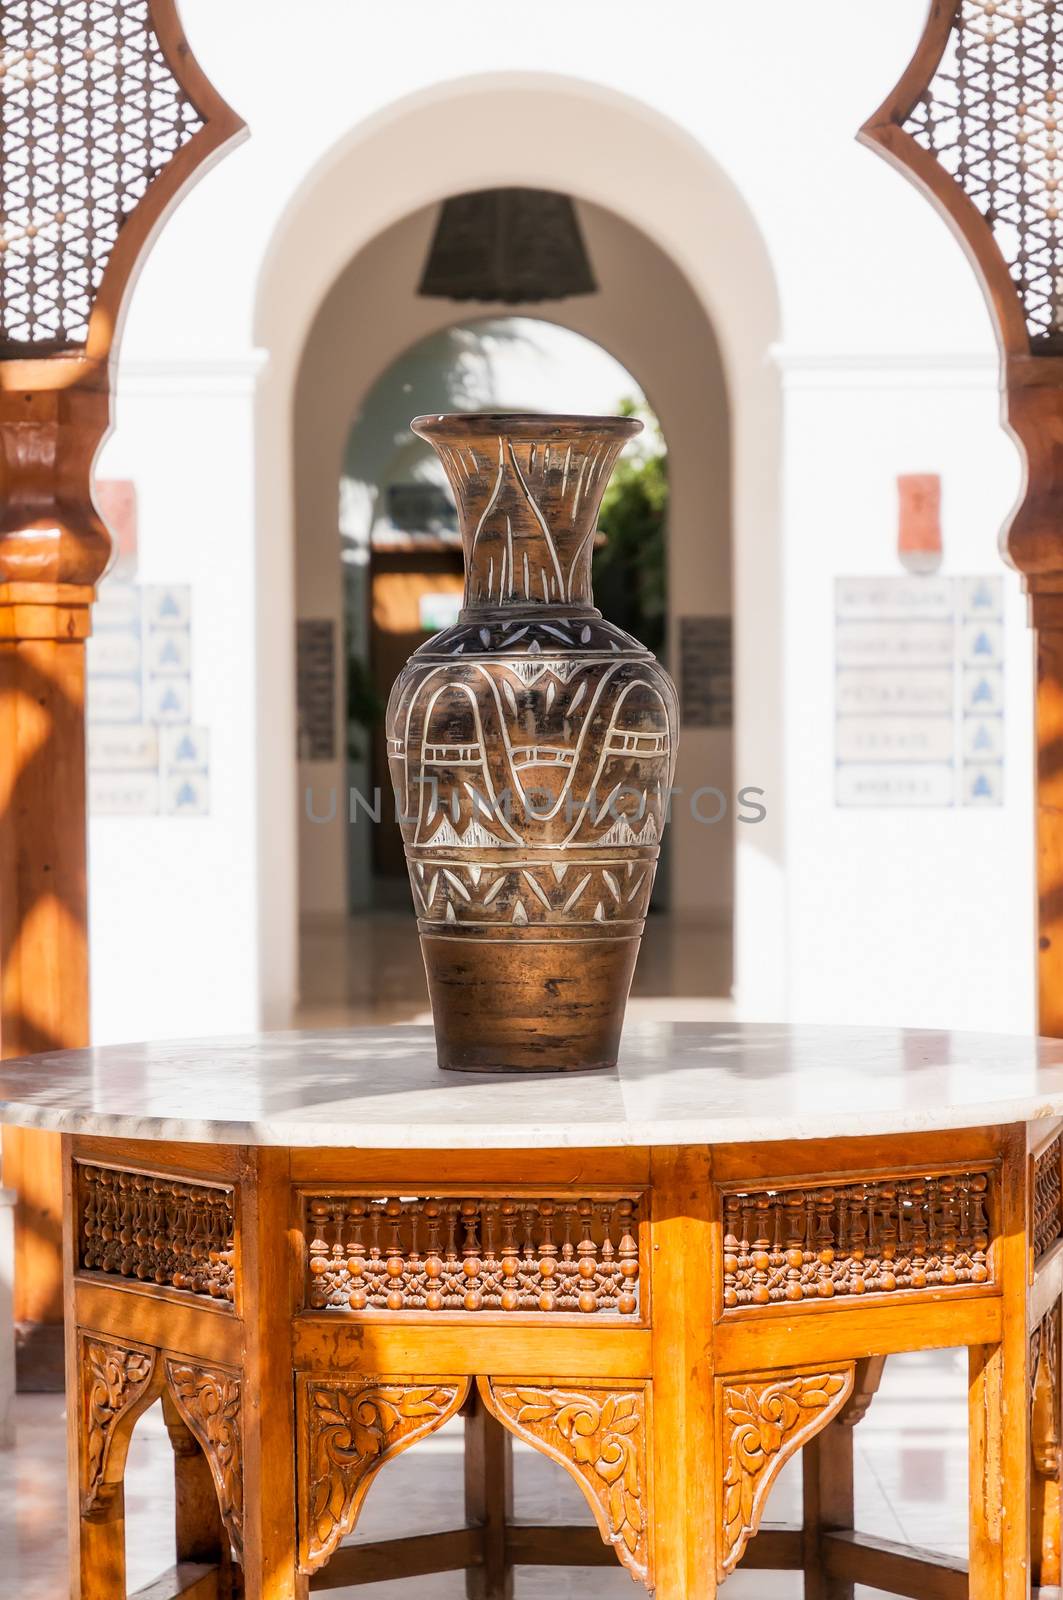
x=531, y=748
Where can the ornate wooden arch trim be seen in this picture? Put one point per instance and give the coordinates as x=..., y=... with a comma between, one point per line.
x=976, y=123
x=346, y=1429
x=106, y=115
x=105, y=118
x=972, y=122
x=762, y=1419
x=600, y=1434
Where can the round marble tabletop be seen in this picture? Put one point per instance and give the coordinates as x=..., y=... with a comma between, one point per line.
x=677, y=1083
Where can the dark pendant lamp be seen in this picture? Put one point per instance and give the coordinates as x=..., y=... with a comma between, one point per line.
x=513, y=245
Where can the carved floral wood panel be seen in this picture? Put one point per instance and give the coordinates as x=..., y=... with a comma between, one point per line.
x=208, y=1399
x=762, y=1420
x=347, y=1428
x=116, y=1379
x=600, y=1436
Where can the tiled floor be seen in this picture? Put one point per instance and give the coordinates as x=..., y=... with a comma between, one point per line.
x=912, y=1486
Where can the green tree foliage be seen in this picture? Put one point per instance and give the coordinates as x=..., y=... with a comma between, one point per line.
x=364, y=706
x=629, y=569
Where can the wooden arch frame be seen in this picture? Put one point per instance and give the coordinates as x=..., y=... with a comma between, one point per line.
x=1032, y=542
x=221, y=129
x=55, y=412
x=885, y=131
x=1032, y=404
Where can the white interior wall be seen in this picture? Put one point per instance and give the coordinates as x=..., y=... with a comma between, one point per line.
x=744, y=170
x=647, y=316
x=173, y=901
x=435, y=146
x=900, y=915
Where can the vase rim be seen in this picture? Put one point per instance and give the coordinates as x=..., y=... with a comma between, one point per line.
x=522, y=424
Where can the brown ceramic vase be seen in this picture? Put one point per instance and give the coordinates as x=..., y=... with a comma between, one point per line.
x=531, y=746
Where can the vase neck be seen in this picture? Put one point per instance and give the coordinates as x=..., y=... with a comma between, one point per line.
x=528, y=502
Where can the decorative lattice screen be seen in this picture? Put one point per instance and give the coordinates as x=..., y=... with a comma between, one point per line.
x=992, y=116
x=90, y=114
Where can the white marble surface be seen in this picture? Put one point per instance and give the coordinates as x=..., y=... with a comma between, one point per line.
x=678, y=1083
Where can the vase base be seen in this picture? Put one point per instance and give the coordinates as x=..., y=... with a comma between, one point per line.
x=500, y=1070
x=509, y=1005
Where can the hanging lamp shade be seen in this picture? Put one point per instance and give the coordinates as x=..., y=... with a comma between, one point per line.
x=513, y=245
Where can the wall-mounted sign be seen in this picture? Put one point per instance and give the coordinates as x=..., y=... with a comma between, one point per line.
x=705, y=672
x=919, y=691
x=139, y=683
x=315, y=688
x=140, y=688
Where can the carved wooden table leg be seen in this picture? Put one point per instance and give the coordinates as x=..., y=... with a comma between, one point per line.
x=827, y=1472
x=153, y=1309
x=267, y=1426
x=488, y=1500
x=1045, y=1463
x=999, y=1412
x=682, y=1261
x=110, y=1383
x=201, y=1536
x=906, y=1246
x=1046, y=1345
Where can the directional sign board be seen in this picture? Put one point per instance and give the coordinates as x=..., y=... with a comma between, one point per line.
x=919, y=691
x=146, y=757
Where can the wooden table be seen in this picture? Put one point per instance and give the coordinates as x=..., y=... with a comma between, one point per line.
x=316, y=1249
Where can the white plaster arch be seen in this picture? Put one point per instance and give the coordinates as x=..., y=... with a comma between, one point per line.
x=555, y=132
x=646, y=315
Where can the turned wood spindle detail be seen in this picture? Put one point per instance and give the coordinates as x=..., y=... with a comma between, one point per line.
x=158, y=1230
x=347, y=1428
x=599, y=1435
x=1048, y=1198
x=877, y=1237
x=439, y=1254
x=763, y=1420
